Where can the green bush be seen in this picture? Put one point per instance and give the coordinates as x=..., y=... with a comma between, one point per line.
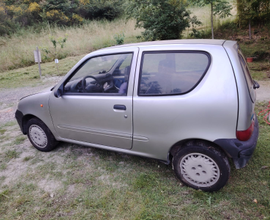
x=101, y=10
x=161, y=19
x=7, y=26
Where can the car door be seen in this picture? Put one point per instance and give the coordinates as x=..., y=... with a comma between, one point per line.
x=93, y=107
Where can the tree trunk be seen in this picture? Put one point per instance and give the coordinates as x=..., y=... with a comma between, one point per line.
x=212, y=23
x=239, y=11
x=249, y=29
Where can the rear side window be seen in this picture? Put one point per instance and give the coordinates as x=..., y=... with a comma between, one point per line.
x=171, y=73
x=248, y=77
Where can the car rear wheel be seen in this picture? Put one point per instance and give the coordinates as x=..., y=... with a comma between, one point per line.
x=202, y=166
x=40, y=136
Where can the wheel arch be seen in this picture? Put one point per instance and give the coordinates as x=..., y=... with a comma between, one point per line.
x=25, y=119
x=185, y=143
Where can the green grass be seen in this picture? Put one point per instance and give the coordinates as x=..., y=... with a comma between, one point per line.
x=260, y=70
x=19, y=140
x=2, y=131
x=8, y=124
x=137, y=189
x=3, y=166
x=29, y=76
x=10, y=154
x=27, y=158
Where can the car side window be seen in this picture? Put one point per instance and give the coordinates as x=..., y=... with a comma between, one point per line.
x=171, y=73
x=106, y=74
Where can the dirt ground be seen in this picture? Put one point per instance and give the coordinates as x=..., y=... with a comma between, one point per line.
x=263, y=93
x=9, y=97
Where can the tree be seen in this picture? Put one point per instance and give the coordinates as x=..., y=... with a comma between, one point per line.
x=218, y=7
x=253, y=11
x=161, y=19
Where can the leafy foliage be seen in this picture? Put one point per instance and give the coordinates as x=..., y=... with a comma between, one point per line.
x=7, y=26
x=161, y=19
x=54, y=54
x=257, y=11
x=61, y=12
x=218, y=7
x=119, y=38
x=99, y=9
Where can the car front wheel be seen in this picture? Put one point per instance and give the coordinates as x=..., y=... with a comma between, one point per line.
x=40, y=136
x=202, y=166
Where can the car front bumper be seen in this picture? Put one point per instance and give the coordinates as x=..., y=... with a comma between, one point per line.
x=240, y=151
x=19, y=118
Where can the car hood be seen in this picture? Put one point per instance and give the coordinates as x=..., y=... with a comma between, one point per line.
x=48, y=89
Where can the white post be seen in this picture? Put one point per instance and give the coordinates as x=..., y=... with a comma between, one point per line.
x=56, y=62
x=38, y=59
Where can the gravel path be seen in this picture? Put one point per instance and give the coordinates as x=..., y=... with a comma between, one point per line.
x=9, y=97
x=263, y=93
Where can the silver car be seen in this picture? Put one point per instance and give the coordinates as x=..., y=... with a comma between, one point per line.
x=185, y=102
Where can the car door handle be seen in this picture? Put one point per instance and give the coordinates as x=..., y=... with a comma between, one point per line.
x=119, y=107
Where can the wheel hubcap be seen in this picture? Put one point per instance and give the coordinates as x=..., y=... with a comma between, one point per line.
x=38, y=136
x=199, y=170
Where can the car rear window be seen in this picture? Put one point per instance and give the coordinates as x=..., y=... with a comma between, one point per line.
x=246, y=72
x=172, y=73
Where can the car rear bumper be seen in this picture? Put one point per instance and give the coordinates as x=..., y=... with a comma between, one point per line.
x=240, y=151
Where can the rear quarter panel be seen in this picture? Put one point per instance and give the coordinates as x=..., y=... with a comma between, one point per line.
x=246, y=104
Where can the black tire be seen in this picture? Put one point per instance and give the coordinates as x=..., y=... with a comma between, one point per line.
x=201, y=166
x=40, y=135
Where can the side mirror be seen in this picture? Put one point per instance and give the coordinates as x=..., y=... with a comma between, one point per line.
x=255, y=85
x=58, y=93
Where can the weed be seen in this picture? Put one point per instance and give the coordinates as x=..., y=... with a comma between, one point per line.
x=4, y=195
x=145, y=181
x=11, y=154
x=3, y=166
x=119, y=38
x=19, y=140
x=27, y=158
x=2, y=131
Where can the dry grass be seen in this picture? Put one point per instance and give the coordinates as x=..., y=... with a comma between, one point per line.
x=17, y=51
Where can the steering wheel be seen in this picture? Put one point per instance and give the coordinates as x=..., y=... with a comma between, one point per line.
x=84, y=82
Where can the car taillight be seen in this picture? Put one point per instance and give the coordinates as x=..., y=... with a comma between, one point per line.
x=245, y=135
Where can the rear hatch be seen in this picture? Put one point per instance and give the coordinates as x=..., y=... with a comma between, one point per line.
x=246, y=88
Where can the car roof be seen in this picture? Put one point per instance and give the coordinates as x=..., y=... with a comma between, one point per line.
x=171, y=42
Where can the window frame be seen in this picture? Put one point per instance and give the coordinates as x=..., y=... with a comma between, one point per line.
x=173, y=51
x=83, y=63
